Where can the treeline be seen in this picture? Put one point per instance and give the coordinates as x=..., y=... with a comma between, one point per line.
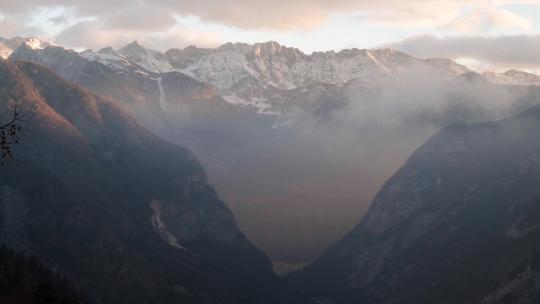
x=25, y=280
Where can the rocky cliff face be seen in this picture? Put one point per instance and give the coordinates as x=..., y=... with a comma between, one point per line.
x=458, y=223
x=130, y=217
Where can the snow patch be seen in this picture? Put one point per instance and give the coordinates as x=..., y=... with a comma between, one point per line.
x=161, y=227
x=36, y=44
x=5, y=52
x=162, y=100
x=258, y=104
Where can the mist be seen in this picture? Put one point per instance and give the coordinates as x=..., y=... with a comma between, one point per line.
x=297, y=187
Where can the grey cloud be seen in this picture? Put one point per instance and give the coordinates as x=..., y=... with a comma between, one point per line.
x=87, y=34
x=95, y=7
x=155, y=20
x=139, y=18
x=15, y=26
x=59, y=20
x=267, y=14
x=252, y=14
x=95, y=34
x=519, y=51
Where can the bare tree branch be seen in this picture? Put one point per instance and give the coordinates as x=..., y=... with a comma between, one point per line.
x=9, y=135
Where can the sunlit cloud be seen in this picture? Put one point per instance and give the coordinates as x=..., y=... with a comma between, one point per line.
x=94, y=34
x=495, y=53
x=307, y=24
x=486, y=19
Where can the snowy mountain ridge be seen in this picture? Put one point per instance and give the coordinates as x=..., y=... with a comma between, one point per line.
x=7, y=46
x=253, y=74
x=262, y=75
x=512, y=77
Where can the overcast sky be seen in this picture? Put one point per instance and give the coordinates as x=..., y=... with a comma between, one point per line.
x=496, y=35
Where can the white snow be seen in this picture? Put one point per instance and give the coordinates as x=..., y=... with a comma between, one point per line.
x=5, y=51
x=155, y=65
x=252, y=75
x=161, y=227
x=114, y=60
x=256, y=70
x=150, y=60
x=162, y=100
x=36, y=44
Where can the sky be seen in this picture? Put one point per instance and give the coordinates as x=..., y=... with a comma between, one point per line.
x=484, y=34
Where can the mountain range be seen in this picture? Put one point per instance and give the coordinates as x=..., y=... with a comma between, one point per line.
x=285, y=136
x=108, y=190
x=254, y=75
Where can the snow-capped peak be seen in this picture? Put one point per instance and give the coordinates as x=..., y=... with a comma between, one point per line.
x=108, y=50
x=5, y=51
x=150, y=60
x=8, y=46
x=258, y=74
x=36, y=44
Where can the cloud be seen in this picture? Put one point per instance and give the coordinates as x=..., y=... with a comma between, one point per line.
x=58, y=20
x=139, y=18
x=95, y=34
x=98, y=23
x=11, y=26
x=284, y=14
x=499, y=53
x=486, y=18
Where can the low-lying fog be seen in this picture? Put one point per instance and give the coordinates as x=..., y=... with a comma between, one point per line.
x=297, y=188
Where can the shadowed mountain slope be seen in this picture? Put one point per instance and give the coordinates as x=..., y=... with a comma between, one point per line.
x=127, y=215
x=458, y=223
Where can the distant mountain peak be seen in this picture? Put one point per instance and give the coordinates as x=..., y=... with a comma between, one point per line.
x=513, y=77
x=133, y=47
x=250, y=74
x=107, y=50
x=133, y=44
x=514, y=72
x=273, y=45
x=190, y=47
x=150, y=60
x=4, y=51
x=36, y=44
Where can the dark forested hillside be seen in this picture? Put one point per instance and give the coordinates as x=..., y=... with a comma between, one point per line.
x=129, y=216
x=25, y=280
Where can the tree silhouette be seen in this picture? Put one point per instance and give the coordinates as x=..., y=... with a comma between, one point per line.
x=9, y=135
x=24, y=279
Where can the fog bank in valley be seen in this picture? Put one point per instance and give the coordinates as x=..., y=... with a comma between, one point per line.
x=297, y=187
